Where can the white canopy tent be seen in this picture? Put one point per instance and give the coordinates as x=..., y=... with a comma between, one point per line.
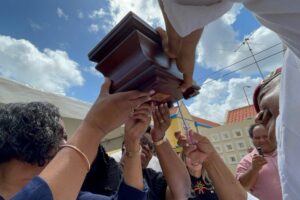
x=72, y=110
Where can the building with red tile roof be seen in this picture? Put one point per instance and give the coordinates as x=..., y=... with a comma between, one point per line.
x=240, y=114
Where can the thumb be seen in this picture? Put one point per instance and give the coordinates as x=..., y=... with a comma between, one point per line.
x=105, y=87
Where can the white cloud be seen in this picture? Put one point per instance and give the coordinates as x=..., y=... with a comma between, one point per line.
x=147, y=10
x=61, y=14
x=230, y=17
x=35, y=26
x=97, y=14
x=49, y=70
x=80, y=15
x=92, y=70
x=216, y=97
x=217, y=51
x=94, y=28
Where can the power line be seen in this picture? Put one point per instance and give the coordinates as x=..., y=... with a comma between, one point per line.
x=256, y=63
x=239, y=61
x=246, y=66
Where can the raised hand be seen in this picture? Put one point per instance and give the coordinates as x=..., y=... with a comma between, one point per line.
x=111, y=110
x=258, y=162
x=138, y=122
x=161, y=119
x=182, y=49
x=199, y=151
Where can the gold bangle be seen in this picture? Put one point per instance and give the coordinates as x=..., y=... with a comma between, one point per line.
x=82, y=155
x=159, y=142
x=130, y=154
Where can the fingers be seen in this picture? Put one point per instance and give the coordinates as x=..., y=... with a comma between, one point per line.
x=164, y=111
x=105, y=87
x=158, y=114
x=169, y=48
x=137, y=98
x=177, y=134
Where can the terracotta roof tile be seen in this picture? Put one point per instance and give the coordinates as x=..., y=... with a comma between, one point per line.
x=240, y=114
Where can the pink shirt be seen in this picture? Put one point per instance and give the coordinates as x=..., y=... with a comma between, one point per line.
x=267, y=186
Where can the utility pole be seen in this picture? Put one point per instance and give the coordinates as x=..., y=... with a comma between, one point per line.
x=246, y=86
x=246, y=42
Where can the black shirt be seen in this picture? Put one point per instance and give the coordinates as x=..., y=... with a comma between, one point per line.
x=202, y=190
x=106, y=174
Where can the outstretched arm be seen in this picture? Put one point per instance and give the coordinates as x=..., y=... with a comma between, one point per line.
x=69, y=167
x=248, y=177
x=134, y=128
x=182, y=49
x=173, y=168
x=226, y=186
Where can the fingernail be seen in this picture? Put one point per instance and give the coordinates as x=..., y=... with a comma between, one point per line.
x=152, y=92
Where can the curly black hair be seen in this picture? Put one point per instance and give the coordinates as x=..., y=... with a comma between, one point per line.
x=29, y=132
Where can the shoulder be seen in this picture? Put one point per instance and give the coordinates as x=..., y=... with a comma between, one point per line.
x=36, y=189
x=244, y=163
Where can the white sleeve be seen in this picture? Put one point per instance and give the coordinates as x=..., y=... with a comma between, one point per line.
x=251, y=197
x=187, y=18
x=288, y=126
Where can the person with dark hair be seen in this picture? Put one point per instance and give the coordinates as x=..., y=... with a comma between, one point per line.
x=258, y=170
x=54, y=168
x=171, y=184
x=35, y=124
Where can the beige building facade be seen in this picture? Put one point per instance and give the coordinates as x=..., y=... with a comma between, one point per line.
x=231, y=141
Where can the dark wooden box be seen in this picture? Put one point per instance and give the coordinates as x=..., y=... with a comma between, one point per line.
x=132, y=57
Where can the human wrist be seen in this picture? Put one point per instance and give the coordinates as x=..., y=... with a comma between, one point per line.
x=254, y=169
x=92, y=124
x=132, y=145
x=163, y=140
x=211, y=159
x=157, y=135
x=132, y=150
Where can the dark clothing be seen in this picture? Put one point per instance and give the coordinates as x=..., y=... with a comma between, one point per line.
x=156, y=183
x=38, y=189
x=104, y=176
x=202, y=190
x=105, y=180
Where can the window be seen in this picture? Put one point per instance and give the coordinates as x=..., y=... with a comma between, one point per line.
x=237, y=133
x=225, y=135
x=229, y=147
x=215, y=138
x=240, y=145
x=232, y=159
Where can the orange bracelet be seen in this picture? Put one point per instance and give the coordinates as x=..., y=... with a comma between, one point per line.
x=82, y=155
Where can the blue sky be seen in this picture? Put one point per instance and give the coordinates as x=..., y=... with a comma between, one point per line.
x=45, y=44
